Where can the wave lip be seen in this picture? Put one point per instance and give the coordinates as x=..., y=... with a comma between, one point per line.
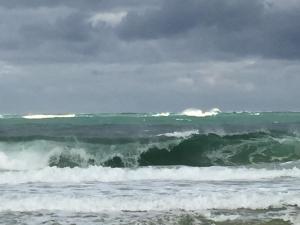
x=187, y=148
x=199, y=113
x=48, y=116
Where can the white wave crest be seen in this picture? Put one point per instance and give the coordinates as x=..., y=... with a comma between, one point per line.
x=161, y=114
x=39, y=154
x=107, y=174
x=200, y=113
x=180, y=134
x=211, y=200
x=33, y=155
x=46, y=116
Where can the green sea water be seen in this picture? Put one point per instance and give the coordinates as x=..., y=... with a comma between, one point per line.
x=148, y=168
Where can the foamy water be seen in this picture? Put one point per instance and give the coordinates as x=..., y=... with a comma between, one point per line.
x=48, y=116
x=199, y=113
x=105, y=174
x=194, y=167
x=180, y=134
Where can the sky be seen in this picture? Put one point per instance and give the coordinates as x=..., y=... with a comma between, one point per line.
x=61, y=56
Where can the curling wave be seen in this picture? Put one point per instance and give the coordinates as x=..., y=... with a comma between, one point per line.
x=172, y=149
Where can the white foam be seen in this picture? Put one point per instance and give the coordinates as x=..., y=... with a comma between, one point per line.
x=202, y=201
x=248, y=112
x=106, y=174
x=46, y=116
x=29, y=155
x=200, y=113
x=180, y=134
x=161, y=114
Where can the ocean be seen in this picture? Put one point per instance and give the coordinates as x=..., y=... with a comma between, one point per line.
x=211, y=168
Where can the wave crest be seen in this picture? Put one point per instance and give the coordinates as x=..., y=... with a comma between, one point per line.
x=200, y=113
x=106, y=174
x=190, y=149
x=46, y=116
x=161, y=114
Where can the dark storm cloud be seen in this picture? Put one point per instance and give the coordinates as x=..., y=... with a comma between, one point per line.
x=148, y=55
x=236, y=27
x=72, y=28
x=176, y=17
x=172, y=30
x=69, y=37
x=79, y=4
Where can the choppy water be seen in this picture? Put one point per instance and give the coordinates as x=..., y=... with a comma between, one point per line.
x=209, y=168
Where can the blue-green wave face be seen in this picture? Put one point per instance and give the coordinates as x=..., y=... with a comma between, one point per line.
x=131, y=140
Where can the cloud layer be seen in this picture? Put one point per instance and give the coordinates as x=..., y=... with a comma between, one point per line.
x=138, y=55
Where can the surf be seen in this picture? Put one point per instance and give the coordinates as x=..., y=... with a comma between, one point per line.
x=189, y=148
x=171, y=173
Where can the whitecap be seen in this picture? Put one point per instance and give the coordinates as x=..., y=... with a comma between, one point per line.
x=161, y=114
x=180, y=134
x=200, y=113
x=48, y=116
x=107, y=174
x=210, y=200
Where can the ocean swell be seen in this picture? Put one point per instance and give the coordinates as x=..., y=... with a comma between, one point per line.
x=189, y=148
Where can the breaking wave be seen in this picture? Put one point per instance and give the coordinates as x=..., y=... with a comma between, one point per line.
x=185, y=148
x=161, y=114
x=211, y=200
x=46, y=116
x=180, y=134
x=200, y=113
x=106, y=174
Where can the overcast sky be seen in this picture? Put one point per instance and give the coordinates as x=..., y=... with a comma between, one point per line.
x=149, y=55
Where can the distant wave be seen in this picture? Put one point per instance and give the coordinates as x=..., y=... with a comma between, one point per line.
x=161, y=114
x=180, y=134
x=248, y=112
x=200, y=113
x=47, y=116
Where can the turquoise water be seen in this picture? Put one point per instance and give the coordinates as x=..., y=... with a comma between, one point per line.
x=213, y=168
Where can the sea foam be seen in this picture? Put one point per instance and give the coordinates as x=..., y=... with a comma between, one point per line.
x=107, y=174
x=200, y=113
x=46, y=116
x=161, y=114
x=211, y=200
x=180, y=134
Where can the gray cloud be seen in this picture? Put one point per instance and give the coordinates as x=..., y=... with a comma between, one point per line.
x=171, y=31
x=77, y=4
x=236, y=27
x=240, y=85
x=138, y=55
x=176, y=17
